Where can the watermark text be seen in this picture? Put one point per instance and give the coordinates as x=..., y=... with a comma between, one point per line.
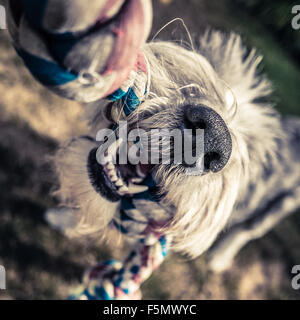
x=154, y=146
x=2, y=18
x=296, y=19
x=296, y=279
x=2, y=278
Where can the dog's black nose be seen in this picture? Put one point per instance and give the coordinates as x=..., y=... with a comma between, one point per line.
x=217, y=138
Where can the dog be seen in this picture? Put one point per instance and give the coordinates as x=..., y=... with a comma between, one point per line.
x=248, y=178
x=245, y=195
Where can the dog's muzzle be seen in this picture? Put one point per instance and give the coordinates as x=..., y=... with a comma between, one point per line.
x=112, y=181
x=217, y=138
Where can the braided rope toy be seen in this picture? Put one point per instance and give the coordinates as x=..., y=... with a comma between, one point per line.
x=87, y=53
x=80, y=52
x=114, y=280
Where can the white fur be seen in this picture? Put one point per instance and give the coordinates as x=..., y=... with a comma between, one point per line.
x=226, y=80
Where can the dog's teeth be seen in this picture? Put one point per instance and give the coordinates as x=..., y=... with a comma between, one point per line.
x=114, y=178
x=104, y=160
x=112, y=172
x=110, y=166
x=119, y=183
x=123, y=189
x=136, y=180
x=133, y=188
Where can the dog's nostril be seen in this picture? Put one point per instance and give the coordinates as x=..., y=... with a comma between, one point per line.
x=217, y=138
x=199, y=124
x=196, y=116
x=211, y=160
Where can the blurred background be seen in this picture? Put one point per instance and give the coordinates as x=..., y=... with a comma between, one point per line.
x=41, y=263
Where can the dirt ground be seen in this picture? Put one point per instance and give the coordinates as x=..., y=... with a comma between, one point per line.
x=41, y=263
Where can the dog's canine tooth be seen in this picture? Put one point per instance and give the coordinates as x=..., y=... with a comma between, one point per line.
x=110, y=153
x=110, y=166
x=105, y=160
x=123, y=189
x=136, y=180
x=133, y=188
x=113, y=178
x=119, y=183
x=112, y=172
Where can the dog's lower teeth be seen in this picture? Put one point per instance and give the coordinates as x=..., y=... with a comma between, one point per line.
x=113, y=178
x=119, y=183
x=123, y=189
x=112, y=173
x=110, y=166
x=136, y=180
x=132, y=188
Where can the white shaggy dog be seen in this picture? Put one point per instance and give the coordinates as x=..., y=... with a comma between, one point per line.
x=250, y=177
x=262, y=172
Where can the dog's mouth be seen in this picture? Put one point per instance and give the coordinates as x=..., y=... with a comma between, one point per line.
x=112, y=180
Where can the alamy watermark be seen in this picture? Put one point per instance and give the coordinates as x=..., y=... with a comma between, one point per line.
x=2, y=278
x=296, y=279
x=155, y=146
x=296, y=19
x=2, y=18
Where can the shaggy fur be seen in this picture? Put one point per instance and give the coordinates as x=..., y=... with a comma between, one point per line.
x=223, y=75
